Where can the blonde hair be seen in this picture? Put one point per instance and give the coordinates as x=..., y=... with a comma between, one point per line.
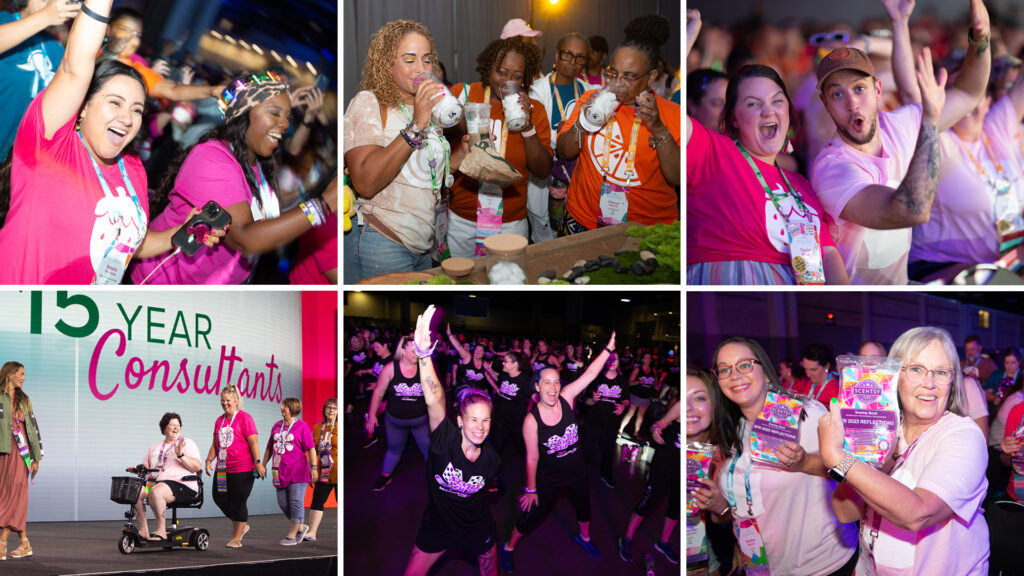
x=233, y=390
x=910, y=345
x=380, y=60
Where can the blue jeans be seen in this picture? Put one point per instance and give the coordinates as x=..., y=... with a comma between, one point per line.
x=291, y=499
x=370, y=253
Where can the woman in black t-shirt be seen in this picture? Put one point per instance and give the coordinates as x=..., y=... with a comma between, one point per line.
x=554, y=457
x=512, y=391
x=459, y=465
x=545, y=358
x=643, y=382
x=470, y=372
x=609, y=390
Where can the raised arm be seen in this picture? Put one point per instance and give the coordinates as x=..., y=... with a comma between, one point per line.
x=53, y=14
x=970, y=85
x=902, y=53
x=570, y=391
x=692, y=30
x=464, y=354
x=433, y=392
x=66, y=91
x=883, y=208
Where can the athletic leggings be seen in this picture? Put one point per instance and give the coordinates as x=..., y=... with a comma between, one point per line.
x=579, y=494
x=321, y=491
x=659, y=481
x=233, y=502
x=398, y=431
x=505, y=430
x=606, y=441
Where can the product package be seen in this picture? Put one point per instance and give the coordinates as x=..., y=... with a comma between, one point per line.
x=698, y=460
x=805, y=253
x=778, y=422
x=868, y=405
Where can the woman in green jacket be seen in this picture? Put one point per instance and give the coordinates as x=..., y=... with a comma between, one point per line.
x=21, y=448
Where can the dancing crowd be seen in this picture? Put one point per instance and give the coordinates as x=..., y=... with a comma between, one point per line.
x=939, y=502
x=824, y=154
x=131, y=149
x=529, y=164
x=296, y=456
x=473, y=403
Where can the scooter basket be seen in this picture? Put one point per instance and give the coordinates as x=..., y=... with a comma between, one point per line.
x=125, y=489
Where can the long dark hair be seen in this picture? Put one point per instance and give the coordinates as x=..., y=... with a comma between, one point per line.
x=233, y=132
x=104, y=71
x=728, y=125
x=717, y=404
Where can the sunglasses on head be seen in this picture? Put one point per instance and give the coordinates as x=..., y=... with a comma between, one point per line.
x=823, y=37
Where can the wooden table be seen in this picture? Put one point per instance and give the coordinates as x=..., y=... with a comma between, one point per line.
x=561, y=253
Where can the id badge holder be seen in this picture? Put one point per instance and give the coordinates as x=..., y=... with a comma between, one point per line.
x=748, y=537
x=326, y=463
x=277, y=464
x=1006, y=209
x=866, y=561
x=489, y=207
x=111, y=269
x=614, y=204
x=805, y=253
x=696, y=542
x=441, y=230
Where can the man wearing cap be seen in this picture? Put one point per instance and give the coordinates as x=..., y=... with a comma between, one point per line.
x=877, y=177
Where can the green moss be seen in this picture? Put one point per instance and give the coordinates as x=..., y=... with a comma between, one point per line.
x=662, y=274
x=663, y=239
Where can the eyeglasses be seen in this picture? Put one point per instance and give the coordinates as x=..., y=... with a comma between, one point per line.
x=743, y=367
x=823, y=37
x=611, y=76
x=916, y=373
x=331, y=407
x=567, y=56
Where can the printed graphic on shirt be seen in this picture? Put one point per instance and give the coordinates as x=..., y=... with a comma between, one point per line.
x=39, y=63
x=560, y=443
x=117, y=222
x=508, y=390
x=538, y=366
x=359, y=358
x=283, y=442
x=617, y=151
x=679, y=440
x=473, y=375
x=451, y=482
x=646, y=380
x=775, y=223
x=405, y=391
x=377, y=367
x=604, y=392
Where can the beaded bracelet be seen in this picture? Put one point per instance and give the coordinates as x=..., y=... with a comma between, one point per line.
x=412, y=134
x=655, y=141
x=313, y=214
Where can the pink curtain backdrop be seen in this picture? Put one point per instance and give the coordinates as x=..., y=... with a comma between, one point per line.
x=319, y=360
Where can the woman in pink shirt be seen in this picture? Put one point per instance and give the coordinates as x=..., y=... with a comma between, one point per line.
x=920, y=514
x=175, y=458
x=781, y=513
x=294, y=465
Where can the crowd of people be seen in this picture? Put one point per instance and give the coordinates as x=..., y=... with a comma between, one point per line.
x=297, y=457
x=939, y=502
x=886, y=155
x=131, y=149
x=537, y=168
x=473, y=402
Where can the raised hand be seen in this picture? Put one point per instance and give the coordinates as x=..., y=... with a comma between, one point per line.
x=422, y=335
x=60, y=11
x=980, y=26
x=933, y=88
x=693, y=25
x=899, y=9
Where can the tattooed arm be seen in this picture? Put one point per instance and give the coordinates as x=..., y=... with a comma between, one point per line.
x=433, y=392
x=910, y=204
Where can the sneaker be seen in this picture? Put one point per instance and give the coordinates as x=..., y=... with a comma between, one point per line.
x=588, y=545
x=667, y=552
x=373, y=440
x=301, y=535
x=506, y=559
x=24, y=550
x=625, y=549
x=608, y=482
x=381, y=483
x=288, y=541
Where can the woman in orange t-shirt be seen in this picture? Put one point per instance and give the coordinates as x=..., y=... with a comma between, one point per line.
x=528, y=150
x=629, y=168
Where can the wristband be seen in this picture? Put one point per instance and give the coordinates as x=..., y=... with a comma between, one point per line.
x=528, y=491
x=258, y=461
x=532, y=132
x=609, y=350
x=970, y=39
x=308, y=124
x=424, y=353
x=208, y=460
x=94, y=16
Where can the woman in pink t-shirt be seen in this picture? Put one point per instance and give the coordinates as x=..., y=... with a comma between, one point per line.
x=79, y=208
x=175, y=458
x=290, y=449
x=236, y=450
x=233, y=165
x=741, y=207
x=779, y=513
x=920, y=514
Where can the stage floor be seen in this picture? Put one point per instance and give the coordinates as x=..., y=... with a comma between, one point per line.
x=380, y=528
x=92, y=548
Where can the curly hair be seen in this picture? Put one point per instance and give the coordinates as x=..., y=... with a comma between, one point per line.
x=496, y=51
x=377, y=69
x=647, y=34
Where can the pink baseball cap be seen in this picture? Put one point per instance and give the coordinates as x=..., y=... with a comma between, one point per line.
x=518, y=27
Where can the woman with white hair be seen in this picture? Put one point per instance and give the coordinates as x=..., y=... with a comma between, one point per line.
x=925, y=501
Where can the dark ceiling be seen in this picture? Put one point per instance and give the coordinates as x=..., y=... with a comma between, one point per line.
x=1012, y=302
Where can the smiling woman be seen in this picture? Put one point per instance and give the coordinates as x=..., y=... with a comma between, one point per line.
x=74, y=151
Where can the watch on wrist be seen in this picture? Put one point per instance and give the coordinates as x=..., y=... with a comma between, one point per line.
x=839, y=472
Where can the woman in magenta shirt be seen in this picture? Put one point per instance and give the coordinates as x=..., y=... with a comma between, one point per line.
x=290, y=450
x=236, y=451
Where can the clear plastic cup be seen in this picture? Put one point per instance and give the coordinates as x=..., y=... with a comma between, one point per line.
x=515, y=114
x=447, y=110
x=600, y=108
x=478, y=122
